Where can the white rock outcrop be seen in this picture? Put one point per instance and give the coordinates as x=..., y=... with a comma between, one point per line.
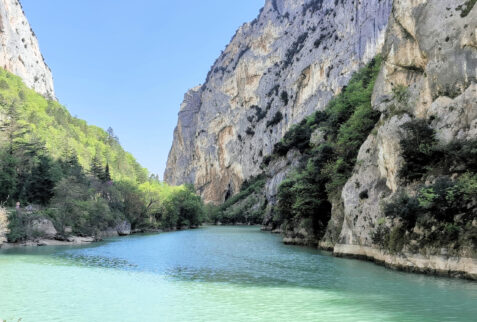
x=19, y=50
x=291, y=60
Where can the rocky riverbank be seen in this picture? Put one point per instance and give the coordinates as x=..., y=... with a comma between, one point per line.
x=70, y=241
x=47, y=235
x=445, y=265
x=42, y=232
x=441, y=265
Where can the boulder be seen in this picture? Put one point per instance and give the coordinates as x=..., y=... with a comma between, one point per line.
x=3, y=225
x=124, y=228
x=109, y=232
x=44, y=227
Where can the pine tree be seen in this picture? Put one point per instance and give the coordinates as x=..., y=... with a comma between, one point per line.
x=96, y=168
x=106, y=175
x=18, y=157
x=8, y=177
x=15, y=132
x=112, y=138
x=41, y=184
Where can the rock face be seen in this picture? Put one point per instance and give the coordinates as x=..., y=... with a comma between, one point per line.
x=289, y=62
x=430, y=49
x=19, y=50
x=44, y=228
x=123, y=228
x=3, y=225
x=284, y=65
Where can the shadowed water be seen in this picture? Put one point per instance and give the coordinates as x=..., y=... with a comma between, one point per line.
x=217, y=274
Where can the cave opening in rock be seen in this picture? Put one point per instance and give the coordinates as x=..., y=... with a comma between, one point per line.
x=228, y=193
x=321, y=219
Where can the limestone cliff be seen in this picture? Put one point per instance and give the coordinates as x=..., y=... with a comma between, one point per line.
x=19, y=50
x=279, y=68
x=288, y=63
x=431, y=51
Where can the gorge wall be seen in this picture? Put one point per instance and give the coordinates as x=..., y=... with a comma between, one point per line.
x=19, y=50
x=279, y=68
x=20, y=54
x=290, y=62
x=431, y=52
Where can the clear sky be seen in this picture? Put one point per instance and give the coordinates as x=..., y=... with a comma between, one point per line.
x=127, y=64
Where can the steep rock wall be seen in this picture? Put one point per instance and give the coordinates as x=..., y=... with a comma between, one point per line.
x=431, y=50
x=19, y=50
x=287, y=63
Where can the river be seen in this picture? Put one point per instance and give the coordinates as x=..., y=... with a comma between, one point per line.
x=217, y=274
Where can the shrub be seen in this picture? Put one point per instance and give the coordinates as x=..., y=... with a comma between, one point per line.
x=466, y=186
x=275, y=120
x=284, y=97
x=466, y=7
x=297, y=137
x=417, y=149
x=396, y=239
x=444, y=209
x=312, y=6
x=229, y=212
x=267, y=159
x=17, y=226
x=4, y=84
x=435, y=199
x=294, y=49
x=355, y=130
x=401, y=94
x=457, y=155
x=259, y=113
x=403, y=207
x=423, y=154
x=381, y=236
x=318, y=41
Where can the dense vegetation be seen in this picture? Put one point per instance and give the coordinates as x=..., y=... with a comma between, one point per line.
x=443, y=211
x=326, y=166
x=75, y=174
x=305, y=194
x=51, y=123
x=245, y=207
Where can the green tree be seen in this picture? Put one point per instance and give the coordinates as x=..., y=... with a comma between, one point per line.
x=41, y=182
x=106, y=174
x=8, y=176
x=96, y=168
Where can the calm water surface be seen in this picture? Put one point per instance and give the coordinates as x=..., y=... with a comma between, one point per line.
x=217, y=274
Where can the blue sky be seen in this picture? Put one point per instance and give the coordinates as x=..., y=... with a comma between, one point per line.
x=127, y=64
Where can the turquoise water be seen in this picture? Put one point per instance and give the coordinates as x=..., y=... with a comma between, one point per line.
x=217, y=274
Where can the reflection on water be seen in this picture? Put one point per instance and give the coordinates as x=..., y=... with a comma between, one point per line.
x=219, y=273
